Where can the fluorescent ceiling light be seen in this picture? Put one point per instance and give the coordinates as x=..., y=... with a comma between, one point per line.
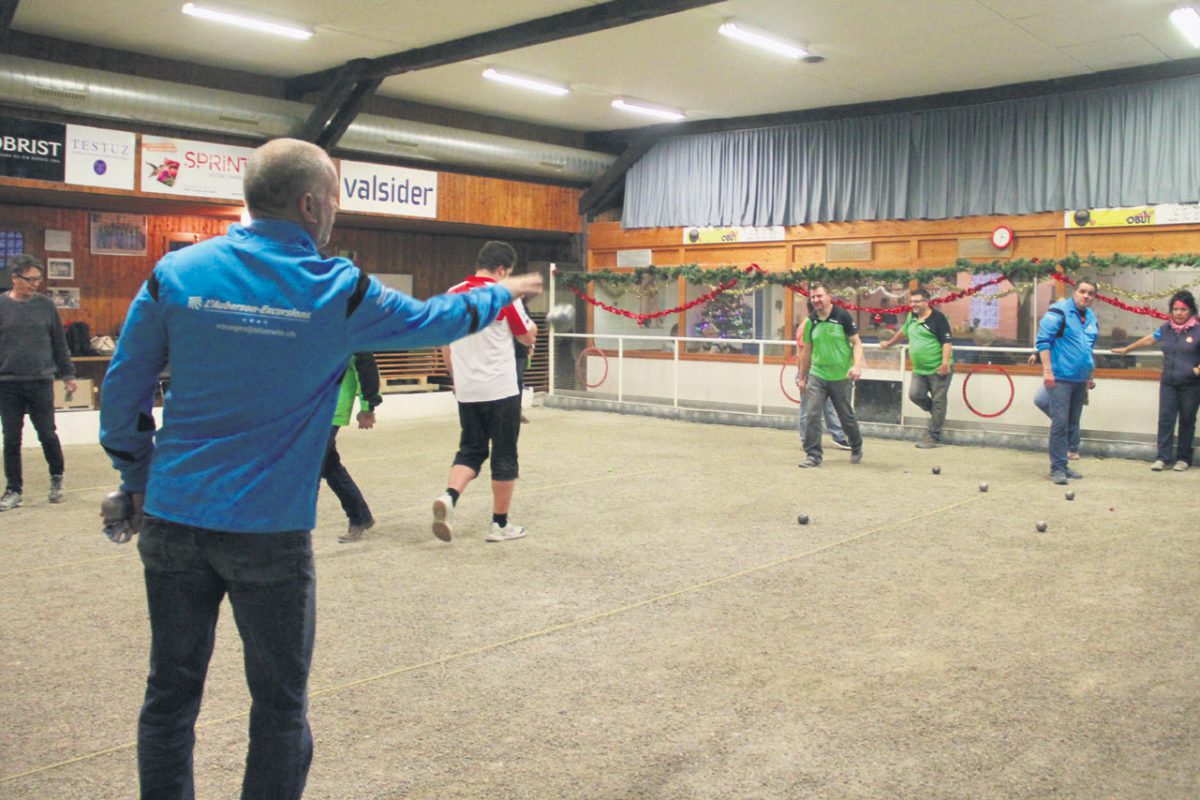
x=1187, y=19
x=242, y=21
x=638, y=107
x=535, y=84
x=767, y=41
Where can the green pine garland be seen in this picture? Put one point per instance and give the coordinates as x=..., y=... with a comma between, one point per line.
x=1015, y=270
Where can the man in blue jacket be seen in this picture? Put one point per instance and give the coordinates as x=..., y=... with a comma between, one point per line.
x=257, y=326
x=1065, y=339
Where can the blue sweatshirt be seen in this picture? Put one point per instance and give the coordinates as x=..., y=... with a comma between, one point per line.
x=257, y=328
x=1069, y=337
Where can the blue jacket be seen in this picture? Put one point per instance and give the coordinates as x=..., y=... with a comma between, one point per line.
x=1069, y=339
x=257, y=328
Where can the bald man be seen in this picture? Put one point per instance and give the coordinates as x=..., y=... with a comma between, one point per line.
x=258, y=327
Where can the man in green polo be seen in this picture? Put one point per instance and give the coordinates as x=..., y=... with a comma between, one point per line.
x=831, y=357
x=932, y=353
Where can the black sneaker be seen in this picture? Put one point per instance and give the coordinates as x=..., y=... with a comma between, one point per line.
x=841, y=442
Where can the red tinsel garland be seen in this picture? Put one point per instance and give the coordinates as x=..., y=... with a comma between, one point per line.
x=1145, y=311
x=937, y=301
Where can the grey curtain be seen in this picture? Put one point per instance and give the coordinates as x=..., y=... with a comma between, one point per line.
x=1127, y=145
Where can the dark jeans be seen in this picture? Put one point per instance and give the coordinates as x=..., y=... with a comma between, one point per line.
x=815, y=393
x=1041, y=399
x=929, y=393
x=35, y=398
x=1066, y=408
x=271, y=584
x=339, y=480
x=1177, y=402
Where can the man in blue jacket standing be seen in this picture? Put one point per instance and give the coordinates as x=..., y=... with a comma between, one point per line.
x=1065, y=339
x=257, y=326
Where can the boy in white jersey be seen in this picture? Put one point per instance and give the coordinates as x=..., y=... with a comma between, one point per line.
x=483, y=368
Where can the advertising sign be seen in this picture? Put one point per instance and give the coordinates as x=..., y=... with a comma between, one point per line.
x=194, y=169
x=395, y=191
x=773, y=233
x=100, y=157
x=1133, y=216
x=32, y=149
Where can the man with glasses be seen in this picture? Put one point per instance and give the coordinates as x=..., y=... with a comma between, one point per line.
x=33, y=352
x=932, y=352
x=1065, y=338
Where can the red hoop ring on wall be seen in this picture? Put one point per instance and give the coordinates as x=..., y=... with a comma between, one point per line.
x=1012, y=390
x=579, y=366
x=782, y=369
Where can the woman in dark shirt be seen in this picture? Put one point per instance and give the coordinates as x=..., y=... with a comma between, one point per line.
x=1179, y=387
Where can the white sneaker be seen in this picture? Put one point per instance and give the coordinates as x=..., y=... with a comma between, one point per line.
x=443, y=517
x=1181, y=466
x=499, y=534
x=10, y=500
x=1158, y=466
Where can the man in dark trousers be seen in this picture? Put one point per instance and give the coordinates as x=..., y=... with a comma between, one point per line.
x=258, y=326
x=931, y=349
x=33, y=352
x=360, y=384
x=831, y=359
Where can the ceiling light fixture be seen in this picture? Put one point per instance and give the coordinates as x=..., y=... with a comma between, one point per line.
x=638, y=107
x=767, y=41
x=1187, y=20
x=536, y=84
x=242, y=21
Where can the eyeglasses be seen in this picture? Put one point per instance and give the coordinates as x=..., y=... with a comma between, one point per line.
x=30, y=278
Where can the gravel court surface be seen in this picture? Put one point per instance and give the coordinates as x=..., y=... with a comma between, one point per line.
x=667, y=629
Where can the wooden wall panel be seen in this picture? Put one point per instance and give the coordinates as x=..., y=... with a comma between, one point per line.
x=507, y=204
x=107, y=284
x=938, y=252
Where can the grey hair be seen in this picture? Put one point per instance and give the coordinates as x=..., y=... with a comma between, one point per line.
x=280, y=172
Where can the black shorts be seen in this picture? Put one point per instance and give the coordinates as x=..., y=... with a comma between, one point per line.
x=497, y=422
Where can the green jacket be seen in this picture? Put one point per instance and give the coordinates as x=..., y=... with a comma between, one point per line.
x=361, y=380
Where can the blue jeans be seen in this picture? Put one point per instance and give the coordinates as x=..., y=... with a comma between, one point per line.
x=343, y=485
x=1066, y=407
x=271, y=584
x=1042, y=401
x=816, y=394
x=831, y=420
x=1177, y=402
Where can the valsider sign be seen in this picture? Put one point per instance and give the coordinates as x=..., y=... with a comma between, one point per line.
x=395, y=191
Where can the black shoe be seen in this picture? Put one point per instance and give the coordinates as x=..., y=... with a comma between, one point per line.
x=841, y=442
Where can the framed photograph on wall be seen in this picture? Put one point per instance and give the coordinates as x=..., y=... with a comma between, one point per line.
x=64, y=297
x=60, y=269
x=178, y=241
x=118, y=234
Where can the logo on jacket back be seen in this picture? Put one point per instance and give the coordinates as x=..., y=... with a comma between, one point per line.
x=225, y=307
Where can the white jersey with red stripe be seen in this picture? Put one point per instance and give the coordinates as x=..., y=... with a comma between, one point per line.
x=484, y=363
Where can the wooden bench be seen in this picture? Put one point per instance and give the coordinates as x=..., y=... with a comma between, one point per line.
x=412, y=371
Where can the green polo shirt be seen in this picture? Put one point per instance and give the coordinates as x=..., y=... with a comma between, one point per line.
x=925, y=340
x=829, y=338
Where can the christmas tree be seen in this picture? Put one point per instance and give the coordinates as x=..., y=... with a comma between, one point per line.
x=726, y=317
